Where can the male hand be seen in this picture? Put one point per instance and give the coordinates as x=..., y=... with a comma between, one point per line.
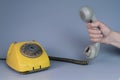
x=99, y=32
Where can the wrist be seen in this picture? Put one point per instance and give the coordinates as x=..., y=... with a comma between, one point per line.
x=114, y=39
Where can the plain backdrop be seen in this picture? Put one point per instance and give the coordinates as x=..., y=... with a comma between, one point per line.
x=56, y=24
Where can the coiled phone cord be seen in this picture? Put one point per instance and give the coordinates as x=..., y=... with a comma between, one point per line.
x=79, y=62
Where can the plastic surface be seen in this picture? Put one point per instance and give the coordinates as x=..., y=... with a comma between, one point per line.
x=21, y=63
x=87, y=15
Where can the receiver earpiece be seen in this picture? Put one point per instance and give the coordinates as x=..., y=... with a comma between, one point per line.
x=87, y=15
x=91, y=51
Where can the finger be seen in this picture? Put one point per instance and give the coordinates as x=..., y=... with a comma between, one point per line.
x=89, y=25
x=94, y=24
x=95, y=39
x=96, y=36
x=93, y=28
x=98, y=24
x=101, y=25
x=94, y=31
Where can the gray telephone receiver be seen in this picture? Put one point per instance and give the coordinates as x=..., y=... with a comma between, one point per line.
x=87, y=15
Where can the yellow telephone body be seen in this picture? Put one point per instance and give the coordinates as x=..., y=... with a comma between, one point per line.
x=18, y=60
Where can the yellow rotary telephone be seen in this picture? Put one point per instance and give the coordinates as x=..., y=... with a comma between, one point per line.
x=27, y=57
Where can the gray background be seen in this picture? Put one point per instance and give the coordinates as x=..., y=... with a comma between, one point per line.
x=56, y=24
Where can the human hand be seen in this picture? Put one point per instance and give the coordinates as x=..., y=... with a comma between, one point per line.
x=99, y=32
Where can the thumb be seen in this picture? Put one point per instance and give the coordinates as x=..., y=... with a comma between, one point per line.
x=101, y=25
